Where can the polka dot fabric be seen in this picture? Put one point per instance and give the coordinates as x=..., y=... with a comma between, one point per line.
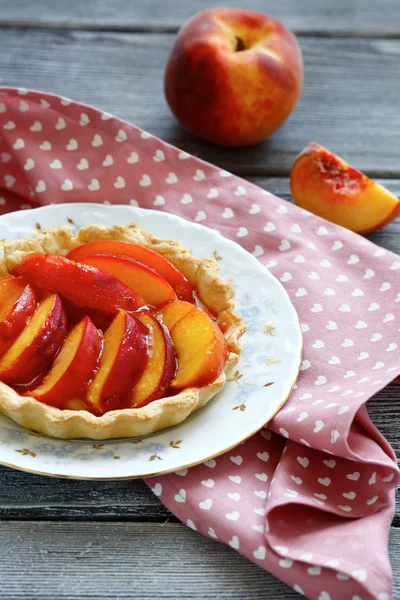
x=310, y=499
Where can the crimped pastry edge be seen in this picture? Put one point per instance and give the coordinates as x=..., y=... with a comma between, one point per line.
x=203, y=274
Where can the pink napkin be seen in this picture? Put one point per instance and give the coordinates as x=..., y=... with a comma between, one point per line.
x=310, y=499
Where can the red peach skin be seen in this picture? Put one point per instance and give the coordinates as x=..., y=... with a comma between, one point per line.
x=122, y=363
x=37, y=345
x=146, y=282
x=327, y=186
x=83, y=285
x=18, y=302
x=144, y=255
x=233, y=76
x=161, y=364
x=73, y=368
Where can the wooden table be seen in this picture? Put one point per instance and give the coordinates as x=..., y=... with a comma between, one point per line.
x=74, y=539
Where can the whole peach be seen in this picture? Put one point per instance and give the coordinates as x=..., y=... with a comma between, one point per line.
x=233, y=76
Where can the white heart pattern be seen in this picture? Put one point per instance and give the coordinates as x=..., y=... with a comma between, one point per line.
x=72, y=145
x=284, y=245
x=199, y=175
x=29, y=164
x=186, y=199
x=260, y=553
x=172, y=178
x=234, y=542
x=345, y=285
x=228, y=213
x=180, y=496
x=83, y=164
x=121, y=136
x=94, y=185
x=67, y=185
x=213, y=193
x=108, y=161
x=159, y=156
x=145, y=181
x=206, y=504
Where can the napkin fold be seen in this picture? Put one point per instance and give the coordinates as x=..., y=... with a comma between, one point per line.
x=311, y=499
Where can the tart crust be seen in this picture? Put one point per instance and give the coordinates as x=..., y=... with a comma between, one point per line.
x=203, y=274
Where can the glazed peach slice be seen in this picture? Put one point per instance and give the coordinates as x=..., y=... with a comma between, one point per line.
x=74, y=366
x=201, y=350
x=172, y=312
x=146, y=282
x=37, y=345
x=100, y=318
x=161, y=363
x=83, y=285
x=144, y=255
x=122, y=363
x=17, y=304
x=327, y=186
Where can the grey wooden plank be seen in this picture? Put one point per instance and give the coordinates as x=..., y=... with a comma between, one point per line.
x=350, y=99
x=367, y=17
x=128, y=561
x=30, y=497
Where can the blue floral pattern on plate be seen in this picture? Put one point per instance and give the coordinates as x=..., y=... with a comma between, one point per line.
x=266, y=373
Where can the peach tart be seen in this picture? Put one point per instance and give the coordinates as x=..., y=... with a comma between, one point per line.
x=111, y=332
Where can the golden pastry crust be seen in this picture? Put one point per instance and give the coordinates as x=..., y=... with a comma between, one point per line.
x=203, y=274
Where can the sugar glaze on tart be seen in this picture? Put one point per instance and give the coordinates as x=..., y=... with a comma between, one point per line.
x=186, y=387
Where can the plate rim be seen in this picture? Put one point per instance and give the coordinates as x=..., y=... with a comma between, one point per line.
x=199, y=226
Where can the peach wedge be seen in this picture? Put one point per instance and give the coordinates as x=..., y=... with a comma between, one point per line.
x=37, y=345
x=84, y=286
x=17, y=304
x=74, y=366
x=201, y=350
x=174, y=311
x=327, y=186
x=154, y=289
x=122, y=363
x=161, y=364
x=144, y=255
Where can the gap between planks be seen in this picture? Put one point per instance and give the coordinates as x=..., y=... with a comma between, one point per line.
x=146, y=29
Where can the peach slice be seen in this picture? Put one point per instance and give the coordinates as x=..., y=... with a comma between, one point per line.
x=146, y=282
x=75, y=404
x=144, y=255
x=123, y=361
x=327, y=186
x=174, y=311
x=201, y=349
x=161, y=364
x=83, y=285
x=17, y=304
x=101, y=319
x=74, y=366
x=37, y=345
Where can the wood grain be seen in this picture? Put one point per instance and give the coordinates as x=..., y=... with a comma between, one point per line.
x=24, y=496
x=350, y=99
x=52, y=545
x=68, y=561
x=311, y=16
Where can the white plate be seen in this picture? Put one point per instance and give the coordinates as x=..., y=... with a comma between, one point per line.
x=238, y=411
